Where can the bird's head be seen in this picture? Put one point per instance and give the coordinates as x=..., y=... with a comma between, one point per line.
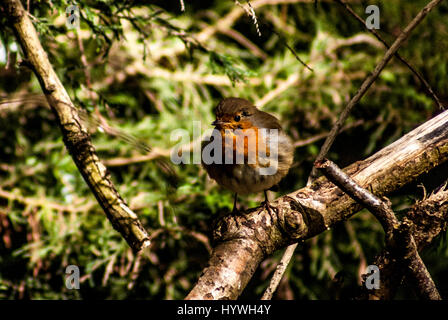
x=234, y=113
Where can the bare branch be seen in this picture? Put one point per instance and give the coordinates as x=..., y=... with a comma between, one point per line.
x=379, y=208
x=399, y=239
x=279, y=271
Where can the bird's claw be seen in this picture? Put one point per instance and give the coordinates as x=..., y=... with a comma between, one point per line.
x=235, y=212
x=270, y=208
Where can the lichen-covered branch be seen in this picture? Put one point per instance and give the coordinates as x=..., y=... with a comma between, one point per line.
x=244, y=240
x=76, y=138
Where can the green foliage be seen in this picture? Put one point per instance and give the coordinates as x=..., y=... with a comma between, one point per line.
x=148, y=73
x=227, y=65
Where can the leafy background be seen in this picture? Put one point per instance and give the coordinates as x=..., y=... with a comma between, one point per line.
x=148, y=69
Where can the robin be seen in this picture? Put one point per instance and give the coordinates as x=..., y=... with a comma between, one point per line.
x=256, y=154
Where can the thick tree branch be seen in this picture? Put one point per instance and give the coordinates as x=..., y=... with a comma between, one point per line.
x=76, y=138
x=243, y=241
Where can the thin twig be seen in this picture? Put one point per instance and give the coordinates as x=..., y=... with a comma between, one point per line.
x=85, y=65
x=280, y=88
x=44, y=203
x=251, y=13
x=357, y=248
x=241, y=39
x=369, y=81
x=305, y=142
x=413, y=70
x=291, y=49
x=279, y=271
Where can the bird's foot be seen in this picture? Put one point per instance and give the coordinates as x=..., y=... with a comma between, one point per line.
x=270, y=208
x=234, y=214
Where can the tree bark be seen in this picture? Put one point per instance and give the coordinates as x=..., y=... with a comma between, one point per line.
x=244, y=240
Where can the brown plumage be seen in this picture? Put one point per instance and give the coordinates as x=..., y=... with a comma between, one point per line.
x=264, y=164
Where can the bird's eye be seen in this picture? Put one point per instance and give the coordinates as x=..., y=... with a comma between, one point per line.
x=237, y=118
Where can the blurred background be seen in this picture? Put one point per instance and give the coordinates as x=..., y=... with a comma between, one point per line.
x=148, y=69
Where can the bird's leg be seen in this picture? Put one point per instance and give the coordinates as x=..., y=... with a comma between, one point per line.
x=267, y=204
x=235, y=210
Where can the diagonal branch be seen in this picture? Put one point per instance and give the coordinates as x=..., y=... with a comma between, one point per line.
x=370, y=80
x=399, y=57
x=76, y=138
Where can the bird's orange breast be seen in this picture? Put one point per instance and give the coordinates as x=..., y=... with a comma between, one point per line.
x=243, y=143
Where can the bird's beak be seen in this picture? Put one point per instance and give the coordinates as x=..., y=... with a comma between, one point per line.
x=218, y=123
